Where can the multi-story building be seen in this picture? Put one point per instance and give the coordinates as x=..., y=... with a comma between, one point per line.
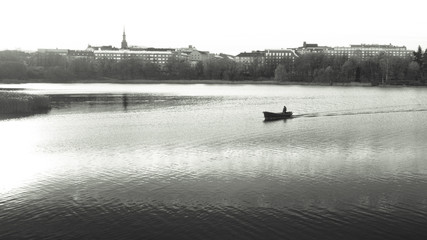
x=156, y=56
x=311, y=48
x=193, y=55
x=80, y=54
x=365, y=51
x=198, y=56
x=274, y=57
x=67, y=53
x=248, y=58
x=179, y=55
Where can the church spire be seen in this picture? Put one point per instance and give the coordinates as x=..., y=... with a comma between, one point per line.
x=124, y=43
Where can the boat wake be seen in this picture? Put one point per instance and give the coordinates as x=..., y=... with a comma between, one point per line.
x=335, y=114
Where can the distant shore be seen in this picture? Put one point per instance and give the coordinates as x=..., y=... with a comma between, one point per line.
x=254, y=82
x=143, y=81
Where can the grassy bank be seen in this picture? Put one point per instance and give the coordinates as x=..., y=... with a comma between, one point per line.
x=23, y=104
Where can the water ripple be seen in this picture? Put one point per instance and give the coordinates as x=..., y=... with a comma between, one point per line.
x=166, y=163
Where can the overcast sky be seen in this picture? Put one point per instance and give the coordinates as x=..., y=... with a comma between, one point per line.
x=218, y=26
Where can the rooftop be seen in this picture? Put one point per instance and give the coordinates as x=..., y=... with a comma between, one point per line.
x=374, y=46
x=251, y=54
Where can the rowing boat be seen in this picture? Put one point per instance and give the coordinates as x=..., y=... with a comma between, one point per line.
x=270, y=116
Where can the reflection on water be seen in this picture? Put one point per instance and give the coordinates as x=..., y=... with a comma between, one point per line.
x=198, y=162
x=125, y=101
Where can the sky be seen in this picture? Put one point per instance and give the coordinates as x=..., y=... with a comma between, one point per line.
x=218, y=26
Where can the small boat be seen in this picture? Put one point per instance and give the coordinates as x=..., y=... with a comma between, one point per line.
x=270, y=116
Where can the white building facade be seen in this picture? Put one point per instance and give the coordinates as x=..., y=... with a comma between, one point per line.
x=158, y=57
x=365, y=51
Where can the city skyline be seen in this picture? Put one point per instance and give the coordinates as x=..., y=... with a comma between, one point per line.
x=218, y=27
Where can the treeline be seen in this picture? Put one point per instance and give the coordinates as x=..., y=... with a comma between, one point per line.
x=313, y=67
x=57, y=68
x=380, y=69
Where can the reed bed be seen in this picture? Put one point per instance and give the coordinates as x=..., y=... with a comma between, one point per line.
x=22, y=103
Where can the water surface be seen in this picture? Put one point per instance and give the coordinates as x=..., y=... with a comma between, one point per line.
x=156, y=161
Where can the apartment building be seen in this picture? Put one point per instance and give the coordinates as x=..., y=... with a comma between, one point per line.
x=311, y=48
x=251, y=57
x=274, y=57
x=156, y=55
x=362, y=51
x=365, y=51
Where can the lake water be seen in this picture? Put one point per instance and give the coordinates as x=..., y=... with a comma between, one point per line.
x=165, y=161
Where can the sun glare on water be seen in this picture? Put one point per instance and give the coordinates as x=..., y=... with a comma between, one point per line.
x=20, y=162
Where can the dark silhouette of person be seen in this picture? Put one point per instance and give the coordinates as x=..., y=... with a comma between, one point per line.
x=284, y=109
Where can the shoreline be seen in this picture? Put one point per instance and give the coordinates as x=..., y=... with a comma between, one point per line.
x=210, y=82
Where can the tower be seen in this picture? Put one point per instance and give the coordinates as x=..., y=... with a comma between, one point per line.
x=124, y=43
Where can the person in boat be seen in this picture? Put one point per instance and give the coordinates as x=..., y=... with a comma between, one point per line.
x=284, y=109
